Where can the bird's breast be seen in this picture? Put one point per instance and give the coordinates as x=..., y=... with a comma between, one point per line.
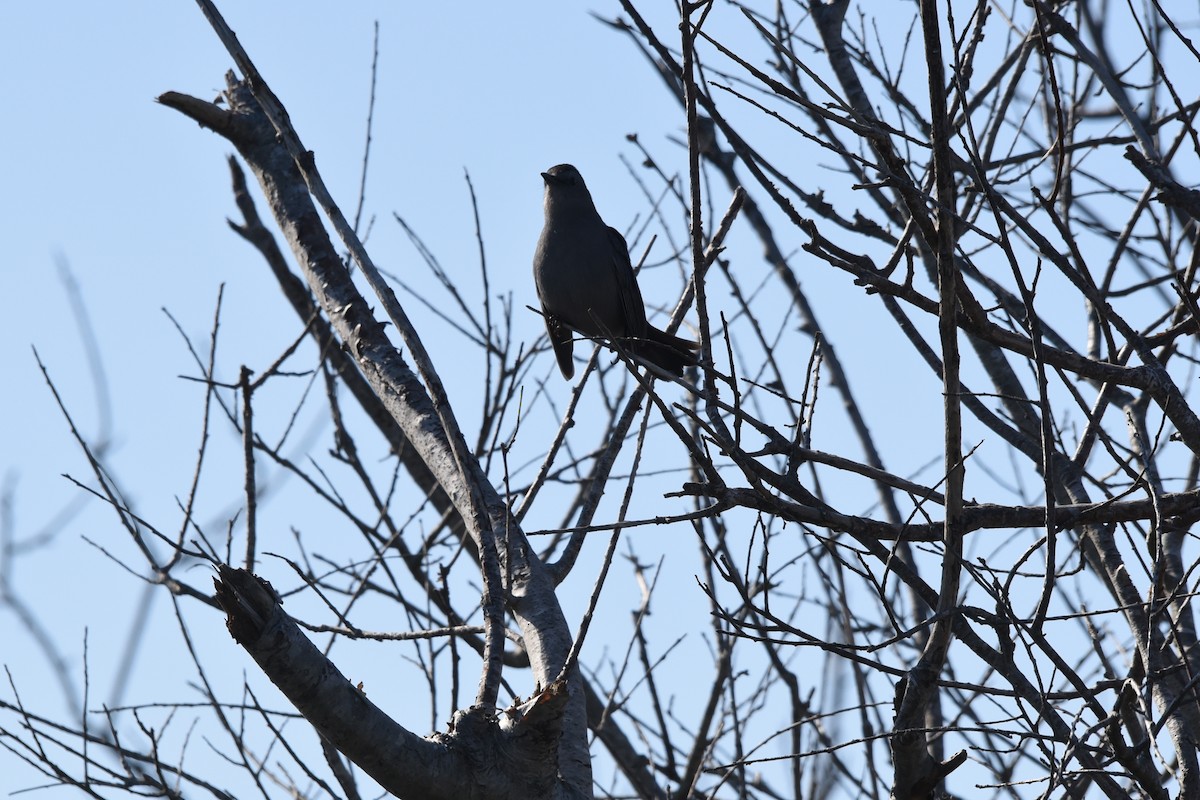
x=575, y=273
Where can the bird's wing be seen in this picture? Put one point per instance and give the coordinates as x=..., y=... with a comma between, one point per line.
x=631, y=296
x=563, y=344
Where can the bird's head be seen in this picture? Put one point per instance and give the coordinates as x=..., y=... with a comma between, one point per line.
x=563, y=175
x=565, y=188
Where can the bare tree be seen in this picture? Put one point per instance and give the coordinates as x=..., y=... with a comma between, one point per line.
x=1006, y=608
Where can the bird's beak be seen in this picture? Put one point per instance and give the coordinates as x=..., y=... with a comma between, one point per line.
x=547, y=177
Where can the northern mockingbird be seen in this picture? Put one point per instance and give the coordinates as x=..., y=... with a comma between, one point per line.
x=586, y=283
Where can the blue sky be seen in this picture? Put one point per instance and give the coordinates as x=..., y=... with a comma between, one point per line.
x=132, y=198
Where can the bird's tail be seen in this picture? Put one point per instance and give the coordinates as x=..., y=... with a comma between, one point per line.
x=665, y=351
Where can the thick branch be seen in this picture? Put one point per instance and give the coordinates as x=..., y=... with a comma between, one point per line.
x=402, y=762
x=530, y=593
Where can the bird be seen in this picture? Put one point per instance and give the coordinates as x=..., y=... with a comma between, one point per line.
x=586, y=284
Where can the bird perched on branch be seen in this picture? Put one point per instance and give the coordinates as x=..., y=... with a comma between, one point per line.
x=586, y=283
